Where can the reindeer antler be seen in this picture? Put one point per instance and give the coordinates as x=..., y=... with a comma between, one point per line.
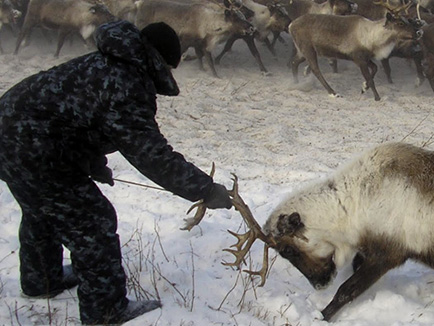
x=247, y=239
x=201, y=209
x=394, y=10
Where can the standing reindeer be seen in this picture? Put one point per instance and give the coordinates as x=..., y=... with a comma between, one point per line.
x=352, y=38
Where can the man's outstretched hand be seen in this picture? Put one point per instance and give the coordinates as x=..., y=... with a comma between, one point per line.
x=218, y=198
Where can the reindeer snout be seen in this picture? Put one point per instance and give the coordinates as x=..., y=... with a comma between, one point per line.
x=16, y=13
x=354, y=8
x=251, y=30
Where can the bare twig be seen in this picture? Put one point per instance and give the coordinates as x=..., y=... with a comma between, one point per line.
x=159, y=242
x=229, y=292
x=172, y=284
x=417, y=126
x=192, y=278
x=10, y=254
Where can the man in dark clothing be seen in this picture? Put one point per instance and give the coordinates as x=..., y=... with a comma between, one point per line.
x=56, y=128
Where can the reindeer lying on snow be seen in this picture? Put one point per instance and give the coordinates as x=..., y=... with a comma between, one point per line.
x=377, y=210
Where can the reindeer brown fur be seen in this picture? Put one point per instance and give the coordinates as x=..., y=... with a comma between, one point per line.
x=352, y=38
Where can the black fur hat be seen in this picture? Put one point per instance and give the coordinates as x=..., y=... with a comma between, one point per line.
x=164, y=39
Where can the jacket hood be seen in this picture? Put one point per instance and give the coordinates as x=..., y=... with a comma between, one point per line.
x=121, y=41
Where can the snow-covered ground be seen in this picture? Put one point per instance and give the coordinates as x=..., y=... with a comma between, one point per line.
x=275, y=136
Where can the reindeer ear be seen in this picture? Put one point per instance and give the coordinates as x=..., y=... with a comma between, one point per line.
x=289, y=224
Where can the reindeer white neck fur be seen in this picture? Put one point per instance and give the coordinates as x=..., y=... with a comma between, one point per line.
x=382, y=201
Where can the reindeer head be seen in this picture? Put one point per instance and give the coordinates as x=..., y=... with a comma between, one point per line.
x=280, y=17
x=283, y=232
x=8, y=14
x=343, y=7
x=240, y=16
x=314, y=259
x=397, y=19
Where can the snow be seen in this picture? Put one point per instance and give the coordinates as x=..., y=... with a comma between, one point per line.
x=275, y=136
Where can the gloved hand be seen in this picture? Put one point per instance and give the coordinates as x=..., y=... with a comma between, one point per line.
x=218, y=198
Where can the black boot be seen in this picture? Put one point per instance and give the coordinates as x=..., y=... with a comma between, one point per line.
x=137, y=308
x=69, y=280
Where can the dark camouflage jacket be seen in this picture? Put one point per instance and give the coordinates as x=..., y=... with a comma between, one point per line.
x=96, y=104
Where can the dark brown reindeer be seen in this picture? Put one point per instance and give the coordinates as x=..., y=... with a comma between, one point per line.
x=376, y=210
x=352, y=38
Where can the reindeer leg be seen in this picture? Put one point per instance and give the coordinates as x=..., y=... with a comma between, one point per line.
x=419, y=69
x=227, y=48
x=369, y=77
x=334, y=64
x=373, y=68
x=270, y=47
x=313, y=63
x=210, y=61
x=23, y=33
x=252, y=47
x=60, y=41
x=199, y=54
x=370, y=271
x=386, y=66
x=369, y=265
x=276, y=35
x=294, y=62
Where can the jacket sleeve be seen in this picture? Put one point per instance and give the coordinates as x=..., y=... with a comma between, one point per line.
x=132, y=129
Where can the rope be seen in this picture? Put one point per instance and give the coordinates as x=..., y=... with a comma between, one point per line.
x=139, y=184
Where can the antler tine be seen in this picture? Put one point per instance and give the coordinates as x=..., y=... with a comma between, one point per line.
x=240, y=252
x=201, y=210
x=394, y=10
x=246, y=240
x=247, y=215
x=406, y=6
x=264, y=270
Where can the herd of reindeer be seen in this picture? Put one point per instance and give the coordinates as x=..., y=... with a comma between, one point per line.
x=358, y=30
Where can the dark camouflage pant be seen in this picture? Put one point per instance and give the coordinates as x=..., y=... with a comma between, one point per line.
x=61, y=206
